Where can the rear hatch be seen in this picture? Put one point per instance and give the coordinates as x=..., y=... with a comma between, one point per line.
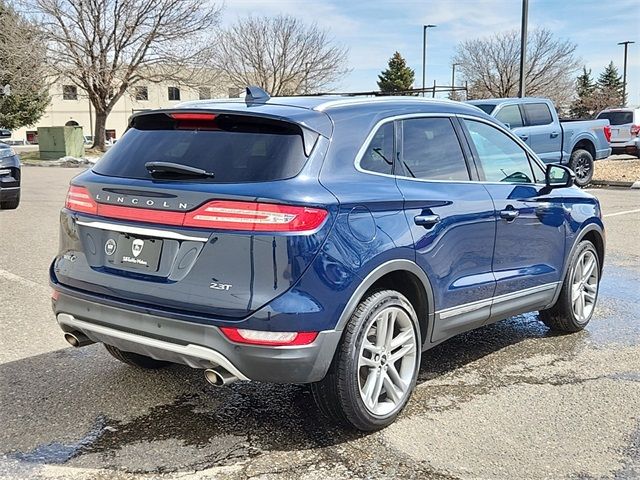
x=213, y=214
x=621, y=122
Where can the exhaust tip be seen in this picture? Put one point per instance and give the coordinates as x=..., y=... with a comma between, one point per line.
x=72, y=339
x=218, y=376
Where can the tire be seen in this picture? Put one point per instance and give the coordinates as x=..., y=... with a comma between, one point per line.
x=136, y=360
x=581, y=163
x=11, y=204
x=565, y=315
x=357, y=368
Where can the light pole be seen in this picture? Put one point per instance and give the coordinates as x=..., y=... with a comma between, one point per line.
x=453, y=76
x=624, y=74
x=523, y=46
x=424, y=54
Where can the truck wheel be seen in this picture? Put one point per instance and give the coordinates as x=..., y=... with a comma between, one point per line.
x=577, y=300
x=136, y=360
x=581, y=163
x=11, y=204
x=376, y=364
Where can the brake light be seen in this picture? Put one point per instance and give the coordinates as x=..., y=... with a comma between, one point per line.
x=257, y=217
x=195, y=121
x=635, y=130
x=80, y=200
x=272, y=339
x=193, y=116
x=607, y=132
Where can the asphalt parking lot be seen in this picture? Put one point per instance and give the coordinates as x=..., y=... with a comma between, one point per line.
x=509, y=400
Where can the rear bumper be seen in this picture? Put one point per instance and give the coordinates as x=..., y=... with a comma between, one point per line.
x=630, y=146
x=195, y=344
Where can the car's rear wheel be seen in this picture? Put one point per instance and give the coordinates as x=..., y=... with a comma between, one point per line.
x=136, y=360
x=582, y=165
x=11, y=204
x=375, y=368
x=576, y=303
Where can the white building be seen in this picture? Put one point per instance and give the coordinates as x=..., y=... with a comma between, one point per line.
x=71, y=106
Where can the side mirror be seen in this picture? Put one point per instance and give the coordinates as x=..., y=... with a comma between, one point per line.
x=559, y=176
x=508, y=125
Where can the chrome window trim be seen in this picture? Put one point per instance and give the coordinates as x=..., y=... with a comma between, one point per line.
x=144, y=231
x=468, y=307
x=405, y=116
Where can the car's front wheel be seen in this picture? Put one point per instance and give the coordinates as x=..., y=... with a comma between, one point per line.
x=11, y=204
x=576, y=303
x=376, y=365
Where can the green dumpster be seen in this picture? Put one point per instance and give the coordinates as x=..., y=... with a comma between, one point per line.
x=57, y=142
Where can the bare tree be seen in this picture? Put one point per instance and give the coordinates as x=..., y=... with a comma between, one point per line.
x=107, y=46
x=491, y=66
x=280, y=54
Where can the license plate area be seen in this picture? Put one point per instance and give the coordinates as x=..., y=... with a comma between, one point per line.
x=129, y=251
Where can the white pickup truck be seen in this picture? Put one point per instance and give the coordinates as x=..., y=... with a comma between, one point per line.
x=576, y=143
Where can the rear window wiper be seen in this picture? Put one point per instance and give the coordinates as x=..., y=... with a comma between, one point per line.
x=164, y=169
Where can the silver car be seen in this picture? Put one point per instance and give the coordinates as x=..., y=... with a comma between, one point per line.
x=625, y=129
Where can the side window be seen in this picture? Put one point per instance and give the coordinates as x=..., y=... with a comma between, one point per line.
x=501, y=158
x=510, y=114
x=537, y=114
x=431, y=150
x=538, y=172
x=378, y=157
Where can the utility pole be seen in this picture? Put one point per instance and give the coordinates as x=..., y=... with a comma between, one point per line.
x=453, y=76
x=424, y=54
x=523, y=46
x=624, y=74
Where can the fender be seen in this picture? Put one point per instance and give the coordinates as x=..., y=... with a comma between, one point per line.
x=589, y=228
x=376, y=274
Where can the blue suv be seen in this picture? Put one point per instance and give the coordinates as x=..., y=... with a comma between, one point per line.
x=320, y=240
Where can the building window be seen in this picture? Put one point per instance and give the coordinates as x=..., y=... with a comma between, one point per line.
x=141, y=93
x=174, y=93
x=234, y=92
x=204, y=93
x=69, y=92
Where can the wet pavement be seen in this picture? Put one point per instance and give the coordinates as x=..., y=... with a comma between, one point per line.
x=510, y=400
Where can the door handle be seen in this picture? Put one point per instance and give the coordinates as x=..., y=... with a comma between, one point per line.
x=427, y=221
x=524, y=138
x=554, y=134
x=509, y=214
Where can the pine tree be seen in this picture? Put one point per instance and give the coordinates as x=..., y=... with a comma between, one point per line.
x=583, y=106
x=397, y=77
x=610, y=87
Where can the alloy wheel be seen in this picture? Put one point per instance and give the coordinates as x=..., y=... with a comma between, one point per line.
x=584, y=287
x=387, y=361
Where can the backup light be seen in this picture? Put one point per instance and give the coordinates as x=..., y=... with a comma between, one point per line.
x=273, y=339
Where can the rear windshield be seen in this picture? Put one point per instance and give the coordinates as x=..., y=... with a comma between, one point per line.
x=236, y=149
x=485, y=107
x=617, y=118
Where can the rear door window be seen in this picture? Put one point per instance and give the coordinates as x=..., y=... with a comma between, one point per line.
x=537, y=114
x=431, y=150
x=510, y=115
x=235, y=148
x=617, y=118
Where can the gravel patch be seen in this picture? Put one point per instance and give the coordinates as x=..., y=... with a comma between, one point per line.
x=618, y=168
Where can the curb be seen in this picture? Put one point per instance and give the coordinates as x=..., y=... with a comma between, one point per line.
x=612, y=183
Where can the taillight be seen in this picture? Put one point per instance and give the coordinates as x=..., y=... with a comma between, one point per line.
x=607, y=132
x=255, y=217
x=635, y=130
x=80, y=200
x=195, y=121
x=272, y=339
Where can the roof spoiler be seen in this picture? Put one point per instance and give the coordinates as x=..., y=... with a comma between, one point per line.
x=256, y=94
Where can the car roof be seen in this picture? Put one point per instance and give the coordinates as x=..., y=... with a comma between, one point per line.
x=498, y=101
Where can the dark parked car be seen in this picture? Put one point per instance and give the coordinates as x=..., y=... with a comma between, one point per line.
x=319, y=240
x=9, y=177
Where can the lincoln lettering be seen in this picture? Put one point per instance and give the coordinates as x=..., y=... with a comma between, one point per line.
x=137, y=201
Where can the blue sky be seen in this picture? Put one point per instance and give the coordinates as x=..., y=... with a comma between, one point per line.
x=374, y=29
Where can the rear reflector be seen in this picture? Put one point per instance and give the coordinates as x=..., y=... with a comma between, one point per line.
x=273, y=339
x=80, y=200
x=217, y=214
x=256, y=217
